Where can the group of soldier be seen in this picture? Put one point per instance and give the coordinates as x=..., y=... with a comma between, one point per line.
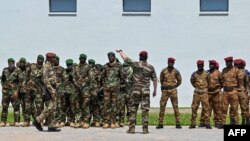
x=89, y=94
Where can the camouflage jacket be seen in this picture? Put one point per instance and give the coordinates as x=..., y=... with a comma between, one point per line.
x=126, y=76
x=214, y=81
x=69, y=82
x=26, y=72
x=200, y=81
x=59, y=74
x=111, y=75
x=94, y=78
x=35, y=77
x=243, y=80
x=82, y=71
x=12, y=80
x=170, y=78
x=49, y=78
x=230, y=77
x=142, y=74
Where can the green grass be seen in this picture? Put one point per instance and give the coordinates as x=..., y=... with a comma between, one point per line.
x=169, y=119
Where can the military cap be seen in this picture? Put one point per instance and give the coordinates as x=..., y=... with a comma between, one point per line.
x=125, y=64
x=50, y=54
x=111, y=54
x=243, y=62
x=57, y=57
x=69, y=61
x=171, y=59
x=217, y=65
x=200, y=62
x=40, y=57
x=143, y=53
x=11, y=60
x=83, y=56
x=237, y=61
x=230, y=58
x=92, y=61
x=212, y=62
x=22, y=60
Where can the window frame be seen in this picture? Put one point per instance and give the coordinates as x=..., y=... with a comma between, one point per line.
x=143, y=13
x=62, y=13
x=214, y=10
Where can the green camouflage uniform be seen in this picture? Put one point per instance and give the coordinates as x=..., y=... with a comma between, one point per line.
x=141, y=91
x=200, y=81
x=49, y=79
x=11, y=83
x=35, y=91
x=126, y=90
x=111, y=88
x=170, y=79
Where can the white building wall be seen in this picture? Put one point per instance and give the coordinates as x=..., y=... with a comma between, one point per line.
x=174, y=28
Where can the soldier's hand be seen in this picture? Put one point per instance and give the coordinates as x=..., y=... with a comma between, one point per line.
x=154, y=93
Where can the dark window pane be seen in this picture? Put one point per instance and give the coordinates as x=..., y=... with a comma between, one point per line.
x=213, y=5
x=136, y=5
x=62, y=5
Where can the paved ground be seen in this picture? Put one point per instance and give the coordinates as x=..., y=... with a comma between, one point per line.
x=169, y=133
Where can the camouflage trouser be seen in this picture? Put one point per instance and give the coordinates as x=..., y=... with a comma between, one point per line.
x=79, y=101
x=232, y=99
x=60, y=115
x=90, y=106
x=48, y=112
x=123, y=104
x=22, y=97
x=34, y=104
x=6, y=99
x=110, y=105
x=197, y=98
x=172, y=94
x=100, y=105
x=243, y=101
x=139, y=95
x=215, y=105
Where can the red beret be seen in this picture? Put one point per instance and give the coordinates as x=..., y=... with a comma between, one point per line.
x=230, y=58
x=217, y=65
x=212, y=62
x=243, y=62
x=51, y=54
x=171, y=59
x=200, y=62
x=144, y=53
x=237, y=61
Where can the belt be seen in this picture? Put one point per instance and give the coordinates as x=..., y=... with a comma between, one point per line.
x=167, y=87
x=228, y=89
x=200, y=91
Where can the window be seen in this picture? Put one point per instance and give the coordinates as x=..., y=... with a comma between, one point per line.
x=136, y=5
x=214, y=5
x=62, y=5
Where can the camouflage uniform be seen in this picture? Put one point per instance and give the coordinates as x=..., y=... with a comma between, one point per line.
x=35, y=90
x=49, y=79
x=81, y=71
x=170, y=79
x=60, y=115
x=200, y=81
x=140, y=92
x=90, y=103
x=11, y=83
x=126, y=90
x=230, y=79
x=111, y=87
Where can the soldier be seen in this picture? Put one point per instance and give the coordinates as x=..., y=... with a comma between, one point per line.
x=35, y=90
x=67, y=90
x=214, y=93
x=60, y=115
x=142, y=74
x=12, y=79
x=230, y=80
x=81, y=71
x=126, y=90
x=170, y=79
x=200, y=81
x=91, y=98
x=111, y=88
x=25, y=69
x=242, y=90
x=49, y=79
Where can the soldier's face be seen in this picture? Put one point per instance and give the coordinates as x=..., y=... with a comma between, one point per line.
x=111, y=58
x=56, y=63
x=170, y=64
x=200, y=67
x=22, y=64
x=211, y=66
x=39, y=62
x=229, y=63
x=82, y=60
x=91, y=65
x=11, y=65
x=69, y=66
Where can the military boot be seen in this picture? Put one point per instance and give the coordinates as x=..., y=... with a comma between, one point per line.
x=219, y=126
x=243, y=121
x=202, y=125
x=57, y=125
x=62, y=124
x=159, y=126
x=85, y=125
x=121, y=124
x=37, y=125
x=53, y=129
x=232, y=121
x=97, y=124
x=105, y=126
x=192, y=126
x=178, y=126
x=247, y=121
x=77, y=125
x=117, y=125
x=208, y=126
x=72, y=124
x=145, y=129
x=26, y=124
x=2, y=124
x=131, y=130
x=17, y=124
x=113, y=126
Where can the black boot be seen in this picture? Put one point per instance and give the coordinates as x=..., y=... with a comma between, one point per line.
x=178, y=126
x=247, y=121
x=131, y=130
x=159, y=126
x=192, y=126
x=145, y=130
x=37, y=125
x=219, y=126
x=232, y=121
x=208, y=126
x=202, y=125
x=243, y=121
x=53, y=129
